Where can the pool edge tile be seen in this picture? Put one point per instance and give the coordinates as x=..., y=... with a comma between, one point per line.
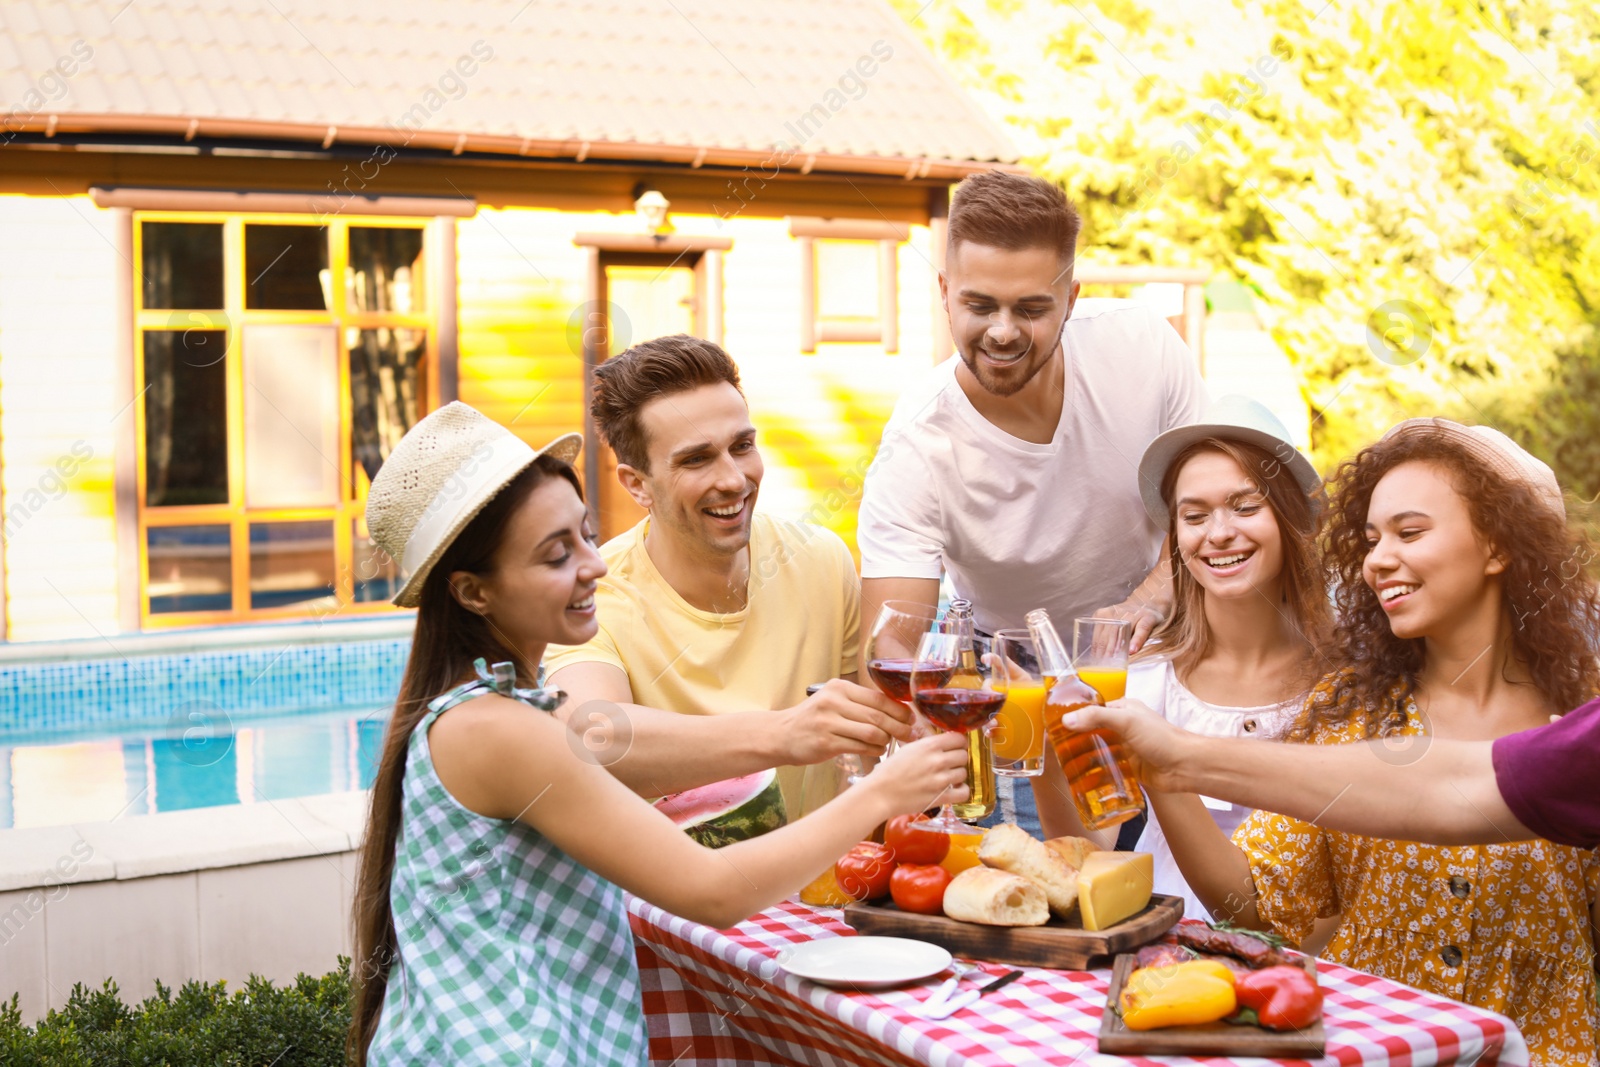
x=346, y=812
x=143, y=846
x=47, y=856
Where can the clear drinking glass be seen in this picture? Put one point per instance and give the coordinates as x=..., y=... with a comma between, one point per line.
x=1017, y=735
x=891, y=645
x=1100, y=651
x=892, y=649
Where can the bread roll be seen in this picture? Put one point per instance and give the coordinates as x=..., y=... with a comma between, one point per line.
x=1009, y=847
x=1072, y=849
x=995, y=898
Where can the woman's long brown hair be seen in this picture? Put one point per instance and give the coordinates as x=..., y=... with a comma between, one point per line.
x=1548, y=587
x=1185, y=637
x=447, y=639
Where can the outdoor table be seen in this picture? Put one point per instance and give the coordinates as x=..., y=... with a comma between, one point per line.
x=718, y=997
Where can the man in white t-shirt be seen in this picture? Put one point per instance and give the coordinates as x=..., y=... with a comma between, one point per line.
x=1014, y=467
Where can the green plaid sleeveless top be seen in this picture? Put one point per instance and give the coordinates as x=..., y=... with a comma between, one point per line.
x=509, y=951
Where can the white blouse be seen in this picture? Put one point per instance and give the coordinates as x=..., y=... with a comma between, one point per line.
x=1154, y=683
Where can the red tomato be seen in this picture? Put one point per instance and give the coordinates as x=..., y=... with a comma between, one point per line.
x=864, y=871
x=919, y=888
x=914, y=846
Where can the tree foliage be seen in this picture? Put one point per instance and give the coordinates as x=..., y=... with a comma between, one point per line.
x=1338, y=158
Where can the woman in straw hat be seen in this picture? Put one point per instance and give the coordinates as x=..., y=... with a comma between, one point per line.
x=490, y=927
x=1465, y=611
x=1238, y=654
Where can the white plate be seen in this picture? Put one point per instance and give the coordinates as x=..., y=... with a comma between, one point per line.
x=864, y=962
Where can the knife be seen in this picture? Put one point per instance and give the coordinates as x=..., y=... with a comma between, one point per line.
x=970, y=997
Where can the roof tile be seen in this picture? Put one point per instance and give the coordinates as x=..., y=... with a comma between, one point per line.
x=57, y=22
x=20, y=19
x=713, y=73
x=11, y=69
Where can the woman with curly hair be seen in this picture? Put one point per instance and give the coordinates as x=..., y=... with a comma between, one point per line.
x=1466, y=610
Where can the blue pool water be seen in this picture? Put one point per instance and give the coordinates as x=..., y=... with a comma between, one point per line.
x=97, y=737
x=200, y=756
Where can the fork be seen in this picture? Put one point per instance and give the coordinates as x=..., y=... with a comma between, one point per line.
x=959, y=970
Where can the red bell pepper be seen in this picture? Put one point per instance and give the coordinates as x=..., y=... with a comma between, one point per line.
x=1282, y=998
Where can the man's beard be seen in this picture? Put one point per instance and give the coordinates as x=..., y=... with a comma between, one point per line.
x=1007, y=386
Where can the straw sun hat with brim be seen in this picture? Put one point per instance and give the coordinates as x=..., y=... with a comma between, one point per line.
x=437, y=479
x=1494, y=450
x=1231, y=418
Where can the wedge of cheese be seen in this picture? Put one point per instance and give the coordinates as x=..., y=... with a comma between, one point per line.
x=1114, y=885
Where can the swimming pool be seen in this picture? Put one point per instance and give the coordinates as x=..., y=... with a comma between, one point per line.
x=203, y=758
x=192, y=720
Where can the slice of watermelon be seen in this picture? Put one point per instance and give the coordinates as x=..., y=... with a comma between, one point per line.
x=733, y=810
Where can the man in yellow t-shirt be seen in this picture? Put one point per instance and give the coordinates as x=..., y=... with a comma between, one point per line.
x=713, y=619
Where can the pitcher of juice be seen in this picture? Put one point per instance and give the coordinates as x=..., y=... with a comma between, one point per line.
x=1098, y=764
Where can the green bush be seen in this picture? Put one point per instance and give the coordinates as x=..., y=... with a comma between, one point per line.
x=302, y=1025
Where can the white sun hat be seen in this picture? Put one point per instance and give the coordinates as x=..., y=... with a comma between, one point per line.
x=1231, y=418
x=441, y=474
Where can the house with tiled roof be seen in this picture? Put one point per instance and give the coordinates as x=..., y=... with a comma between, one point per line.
x=244, y=244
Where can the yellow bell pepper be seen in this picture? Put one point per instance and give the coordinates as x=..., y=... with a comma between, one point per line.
x=1184, y=994
x=1215, y=968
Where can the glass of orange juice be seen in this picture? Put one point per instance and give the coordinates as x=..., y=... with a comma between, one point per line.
x=1100, y=652
x=1017, y=736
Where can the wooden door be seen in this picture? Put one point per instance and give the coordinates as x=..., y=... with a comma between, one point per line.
x=645, y=301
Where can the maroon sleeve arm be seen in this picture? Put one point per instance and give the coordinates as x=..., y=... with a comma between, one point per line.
x=1546, y=776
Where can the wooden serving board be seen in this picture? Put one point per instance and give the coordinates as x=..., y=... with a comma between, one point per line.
x=1210, y=1039
x=1060, y=944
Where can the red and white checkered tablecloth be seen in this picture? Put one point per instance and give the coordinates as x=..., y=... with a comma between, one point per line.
x=718, y=997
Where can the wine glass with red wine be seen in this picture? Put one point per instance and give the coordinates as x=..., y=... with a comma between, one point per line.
x=892, y=648
x=945, y=687
x=892, y=645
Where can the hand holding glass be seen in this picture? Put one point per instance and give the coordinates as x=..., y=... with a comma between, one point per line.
x=853, y=766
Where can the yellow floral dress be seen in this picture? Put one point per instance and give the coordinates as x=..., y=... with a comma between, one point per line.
x=1502, y=927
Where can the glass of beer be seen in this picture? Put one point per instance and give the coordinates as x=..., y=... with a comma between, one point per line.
x=1017, y=735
